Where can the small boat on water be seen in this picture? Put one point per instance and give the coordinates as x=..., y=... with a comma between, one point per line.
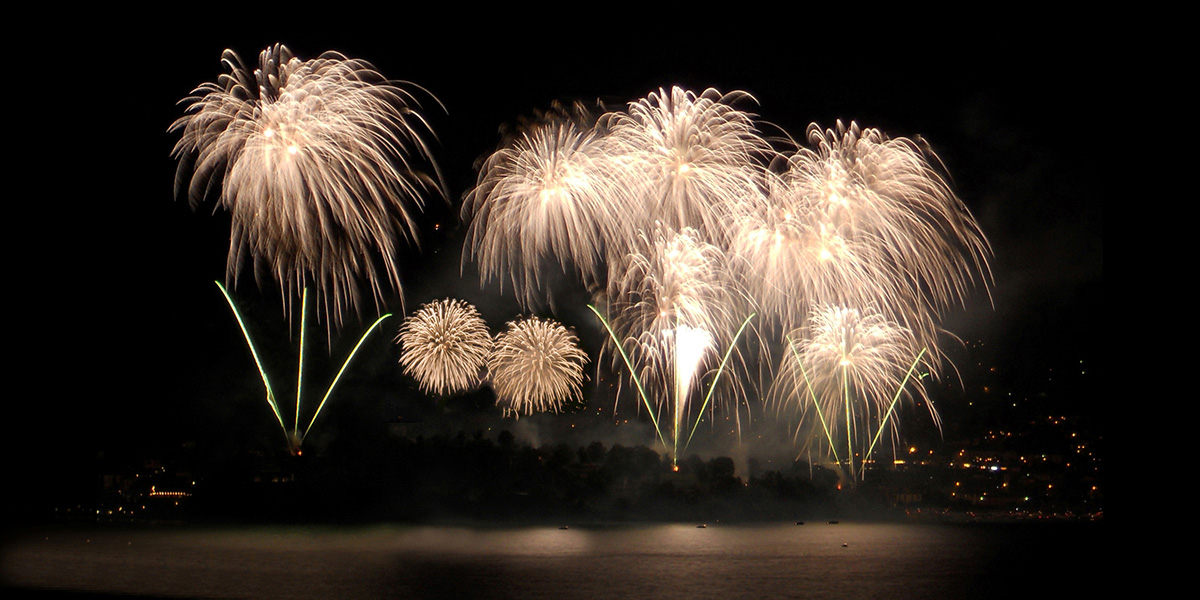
x=702, y=526
x=564, y=527
x=833, y=522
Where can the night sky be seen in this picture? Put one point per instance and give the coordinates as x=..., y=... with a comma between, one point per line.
x=129, y=348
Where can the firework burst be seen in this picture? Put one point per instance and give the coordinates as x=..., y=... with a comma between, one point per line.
x=686, y=159
x=445, y=346
x=878, y=226
x=791, y=256
x=315, y=161
x=536, y=365
x=547, y=195
x=699, y=235
x=674, y=311
x=850, y=371
x=676, y=279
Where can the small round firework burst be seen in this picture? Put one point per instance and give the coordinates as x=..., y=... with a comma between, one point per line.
x=536, y=366
x=445, y=346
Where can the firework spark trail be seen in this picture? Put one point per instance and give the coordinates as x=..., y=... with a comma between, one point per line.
x=258, y=362
x=686, y=159
x=853, y=366
x=632, y=372
x=338, y=377
x=717, y=376
x=536, y=365
x=445, y=346
x=296, y=437
x=547, y=195
x=317, y=162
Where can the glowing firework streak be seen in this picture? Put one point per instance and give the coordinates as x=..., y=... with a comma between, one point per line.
x=536, y=365
x=690, y=345
x=316, y=163
x=632, y=373
x=300, y=361
x=815, y=404
x=892, y=406
x=445, y=346
x=296, y=436
x=254, y=352
x=342, y=370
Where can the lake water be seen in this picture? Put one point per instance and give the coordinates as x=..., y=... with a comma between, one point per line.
x=816, y=560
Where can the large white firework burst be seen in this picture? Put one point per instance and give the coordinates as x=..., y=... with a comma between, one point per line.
x=547, y=196
x=444, y=345
x=536, y=365
x=318, y=162
x=686, y=159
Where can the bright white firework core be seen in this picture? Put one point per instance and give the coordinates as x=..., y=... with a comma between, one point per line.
x=690, y=345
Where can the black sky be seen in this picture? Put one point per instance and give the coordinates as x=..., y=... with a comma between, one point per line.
x=127, y=344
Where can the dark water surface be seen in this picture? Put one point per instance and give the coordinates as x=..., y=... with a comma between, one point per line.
x=816, y=560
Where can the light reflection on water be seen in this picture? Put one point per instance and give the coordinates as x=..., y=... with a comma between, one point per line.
x=665, y=561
